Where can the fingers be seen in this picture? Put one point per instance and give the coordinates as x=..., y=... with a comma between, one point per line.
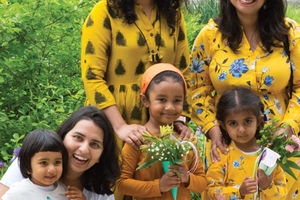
x=214, y=153
x=221, y=147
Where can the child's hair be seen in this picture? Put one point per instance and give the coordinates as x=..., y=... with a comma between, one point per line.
x=40, y=141
x=238, y=99
x=158, y=73
x=162, y=77
x=102, y=176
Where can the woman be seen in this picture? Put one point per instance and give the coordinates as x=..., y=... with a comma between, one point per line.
x=247, y=46
x=93, y=161
x=120, y=40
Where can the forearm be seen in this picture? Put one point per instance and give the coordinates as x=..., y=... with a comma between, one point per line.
x=3, y=189
x=114, y=116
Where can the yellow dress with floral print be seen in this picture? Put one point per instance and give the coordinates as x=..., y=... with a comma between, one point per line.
x=225, y=177
x=216, y=68
x=115, y=55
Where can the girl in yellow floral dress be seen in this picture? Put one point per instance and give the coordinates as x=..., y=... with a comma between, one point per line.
x=240, y=115
x=251, y=44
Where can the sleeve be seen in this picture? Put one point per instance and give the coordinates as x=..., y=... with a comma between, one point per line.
x=127, y=185
x=203, y=112
x=182, y=61
x=95, y=53
x=198, y=181
x=216, y=176
x=278, y=187
x=292, y=115
x=12, y=175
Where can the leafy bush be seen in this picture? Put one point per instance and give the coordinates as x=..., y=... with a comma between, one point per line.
x=40, y=66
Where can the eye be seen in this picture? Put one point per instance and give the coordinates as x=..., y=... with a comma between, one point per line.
x=162, y=100
x=58, y=162
x=232, y=123
x=43, y=163
x=95, y=145
x=248, y=121
x=178, y=100
x=77, y=137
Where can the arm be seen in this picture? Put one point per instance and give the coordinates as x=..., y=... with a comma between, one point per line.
x=127, y=185
x=278, y=188
x=292, y=116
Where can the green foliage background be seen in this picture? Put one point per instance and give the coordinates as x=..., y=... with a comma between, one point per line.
x=40, y=83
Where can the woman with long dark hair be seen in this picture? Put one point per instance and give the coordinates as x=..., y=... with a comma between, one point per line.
x=120, y=40
x=251, y=44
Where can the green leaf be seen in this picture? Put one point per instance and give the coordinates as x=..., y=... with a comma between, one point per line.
x=147, y=164
x=295, y=154
x=288, y=170
x=292, y=164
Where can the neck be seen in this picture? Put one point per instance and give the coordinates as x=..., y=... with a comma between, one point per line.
x=72, y=179
x=251, y=31
x=147, y=6
x=251, y=146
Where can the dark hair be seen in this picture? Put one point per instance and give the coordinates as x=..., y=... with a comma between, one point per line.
x=162, y=77
x=271, y=24
x=238, y=99
x=168, y=8
x=101, y=176
x=40, y=141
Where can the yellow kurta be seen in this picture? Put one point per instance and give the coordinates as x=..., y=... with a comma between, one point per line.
x=115, y=55
x=226, y=176
x=216, y=68
x=144, y=183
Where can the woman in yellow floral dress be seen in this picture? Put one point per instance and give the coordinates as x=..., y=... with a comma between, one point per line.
x=120, y=40
x=251, y=44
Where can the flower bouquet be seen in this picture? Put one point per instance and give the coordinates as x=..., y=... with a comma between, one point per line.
x=166, y=149
x=277, y=149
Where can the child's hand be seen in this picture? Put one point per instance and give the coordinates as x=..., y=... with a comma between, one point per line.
x=184, y=175
x=184, y=131
x=74, y=193
x=168, y=181
x=249, y=186
x=263, y=180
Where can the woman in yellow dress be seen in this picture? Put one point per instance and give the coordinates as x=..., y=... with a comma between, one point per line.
x=120, y=40
x=251, y=44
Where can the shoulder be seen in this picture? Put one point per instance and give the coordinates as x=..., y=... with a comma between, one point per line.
x=12, y=175
x=94, y=196
x=209, y=31
x=294, y=31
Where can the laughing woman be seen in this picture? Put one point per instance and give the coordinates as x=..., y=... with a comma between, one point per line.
x=120, y=40
x=251, y=44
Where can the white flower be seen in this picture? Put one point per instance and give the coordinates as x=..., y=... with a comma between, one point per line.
x=265, y=69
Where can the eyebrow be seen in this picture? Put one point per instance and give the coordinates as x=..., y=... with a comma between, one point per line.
x=98, y=141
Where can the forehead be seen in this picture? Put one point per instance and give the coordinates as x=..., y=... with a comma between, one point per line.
x=168, y=84
x=88, y=129
x=235, y=114
x=47, y=155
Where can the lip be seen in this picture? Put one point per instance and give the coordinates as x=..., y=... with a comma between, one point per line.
x=76, y=159
x=246, y=3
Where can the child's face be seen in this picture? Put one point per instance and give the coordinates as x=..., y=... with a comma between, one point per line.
x=165, y=102
x=84, y=144
x=46, y=168
x=241, y=126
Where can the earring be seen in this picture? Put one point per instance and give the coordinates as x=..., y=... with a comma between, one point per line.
x=265, y=6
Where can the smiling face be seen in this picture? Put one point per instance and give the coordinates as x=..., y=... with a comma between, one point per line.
x=241, y=126
x=165, y=102
x=84, y=144
x=247, y=7
x=46, y=168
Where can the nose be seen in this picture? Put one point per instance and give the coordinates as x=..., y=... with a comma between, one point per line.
x=51, y=169
x=169, y=106
x=241, y=129
x=84, y=147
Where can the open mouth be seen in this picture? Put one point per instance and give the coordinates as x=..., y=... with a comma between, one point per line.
x=79, y=159
x=246, y=2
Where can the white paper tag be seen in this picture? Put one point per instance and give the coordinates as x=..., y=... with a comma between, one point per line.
x=269, y=157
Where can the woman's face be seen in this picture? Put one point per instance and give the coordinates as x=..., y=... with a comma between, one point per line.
x=84, y=144
x=247, y=7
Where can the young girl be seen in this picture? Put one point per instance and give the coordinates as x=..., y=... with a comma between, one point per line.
x=240, y=115
x=43, y=159
x=163, y=93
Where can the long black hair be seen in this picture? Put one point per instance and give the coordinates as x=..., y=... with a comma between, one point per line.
x=271, y=24
x=238, y=99
x=102, y=176
x=168, y=8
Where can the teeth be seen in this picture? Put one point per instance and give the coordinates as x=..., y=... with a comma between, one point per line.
x=80, y=158
x=247, y=1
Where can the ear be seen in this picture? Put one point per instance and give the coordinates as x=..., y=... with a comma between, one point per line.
x=144, y=100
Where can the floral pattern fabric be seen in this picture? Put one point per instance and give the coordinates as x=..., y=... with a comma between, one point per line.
x=226, y=177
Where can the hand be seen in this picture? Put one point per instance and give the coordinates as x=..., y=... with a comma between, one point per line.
x=263, y=180
x=132, y=134
x=216, y=138
x=74, y=193
x=288, y=130
x=184, y=131
x=168, y=181
x=184, y=175
x=249, y=186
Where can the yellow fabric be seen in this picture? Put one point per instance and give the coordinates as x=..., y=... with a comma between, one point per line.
x=115, y=55
x=144, y=183
x=226, y=176
x=216, y=68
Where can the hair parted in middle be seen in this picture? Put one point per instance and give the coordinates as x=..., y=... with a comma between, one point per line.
x=169, y=9
x=40, y=141
x=271, y=24
x=238, y=99
x=101, y=177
